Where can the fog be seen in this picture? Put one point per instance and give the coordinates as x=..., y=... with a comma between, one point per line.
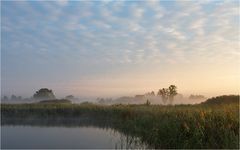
x=134, y=99
x=142, y=99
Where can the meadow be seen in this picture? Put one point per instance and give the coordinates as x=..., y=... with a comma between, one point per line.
x=172, y=126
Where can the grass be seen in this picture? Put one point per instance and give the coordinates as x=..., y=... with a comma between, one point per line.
x=180, y=126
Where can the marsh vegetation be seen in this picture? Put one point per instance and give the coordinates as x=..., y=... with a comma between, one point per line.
x=207, y=125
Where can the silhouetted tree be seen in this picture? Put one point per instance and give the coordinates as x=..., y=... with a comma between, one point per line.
x=152, y=93
x=164, y=94
x=44, y=93
x=172, y=92
x=168, y=93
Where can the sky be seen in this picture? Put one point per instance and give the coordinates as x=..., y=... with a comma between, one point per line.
x=116, y=48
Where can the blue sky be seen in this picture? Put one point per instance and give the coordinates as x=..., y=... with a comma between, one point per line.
x=113, y=48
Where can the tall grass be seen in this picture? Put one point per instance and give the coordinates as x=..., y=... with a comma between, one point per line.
x=180, y=126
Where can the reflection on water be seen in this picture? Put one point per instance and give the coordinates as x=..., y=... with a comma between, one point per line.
x=81, y=135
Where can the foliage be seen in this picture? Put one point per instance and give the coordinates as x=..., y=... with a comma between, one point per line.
x=225, y=99
x=44, y=93
x=164, y=94
x=168, y=93
x=172, y=92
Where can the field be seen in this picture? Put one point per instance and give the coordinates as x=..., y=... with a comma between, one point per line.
x=179, y=126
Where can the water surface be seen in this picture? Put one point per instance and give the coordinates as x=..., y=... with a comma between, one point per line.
x=42, y=137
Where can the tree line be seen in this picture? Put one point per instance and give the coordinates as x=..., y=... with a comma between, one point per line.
x=167, y=94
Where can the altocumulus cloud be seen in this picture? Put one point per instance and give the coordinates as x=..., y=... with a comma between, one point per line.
x=77, y=38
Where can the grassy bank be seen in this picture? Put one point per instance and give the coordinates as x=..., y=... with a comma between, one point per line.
x=181, y=126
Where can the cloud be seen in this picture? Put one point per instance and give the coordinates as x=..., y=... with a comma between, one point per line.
x=133, y=26
x=82, y=36
x=198, y=26
x=137, y=12
x=101, y=25
x=157, y=8
x=75, y=26
x=62, y=2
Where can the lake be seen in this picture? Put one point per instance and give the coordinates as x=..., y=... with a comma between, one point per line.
x=52, y=137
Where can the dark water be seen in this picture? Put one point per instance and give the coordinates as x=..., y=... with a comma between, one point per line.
x=42, y=137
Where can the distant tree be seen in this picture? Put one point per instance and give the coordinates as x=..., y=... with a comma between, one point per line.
x=180, y=96
x=19, y=97
x=164, y=94
x=70, y=97
x=152, y=93
x=168, y=93
x=147, y=103
x=196, y=97
x=44, y=94
x=108, y=100
x=101, y=100
x=13, y=97
x=147, y=94
x=172, y=92
x=5, y=98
